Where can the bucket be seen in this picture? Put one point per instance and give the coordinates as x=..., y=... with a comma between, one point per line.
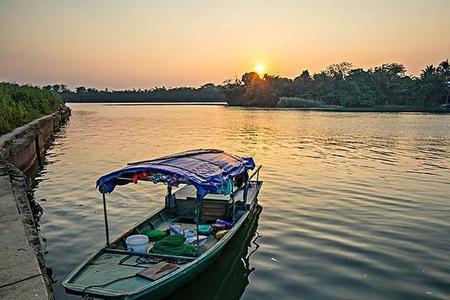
x=137, y=243
x=204, y=229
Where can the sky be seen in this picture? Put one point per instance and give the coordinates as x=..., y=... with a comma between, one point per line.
x=148, y=43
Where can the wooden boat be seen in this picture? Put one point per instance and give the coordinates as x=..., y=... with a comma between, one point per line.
x=228, y=276
x=203, y=178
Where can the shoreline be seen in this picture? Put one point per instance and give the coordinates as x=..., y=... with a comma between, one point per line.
x=365, y=110
x=212, y=103
x=320, y=109
x=24, y=275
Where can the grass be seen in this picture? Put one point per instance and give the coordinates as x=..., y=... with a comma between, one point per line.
x=300, y=103
x=20, y=105
x=295, y=102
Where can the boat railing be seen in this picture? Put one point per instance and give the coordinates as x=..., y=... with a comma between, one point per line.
x=245, y=186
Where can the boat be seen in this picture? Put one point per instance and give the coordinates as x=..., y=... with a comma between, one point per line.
x=446, y=107
x=212, y=188
x=228, y=276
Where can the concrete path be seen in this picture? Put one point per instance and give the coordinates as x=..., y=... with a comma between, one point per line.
x=20, y=274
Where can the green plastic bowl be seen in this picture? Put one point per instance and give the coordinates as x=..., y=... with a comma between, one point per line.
x=204, y=229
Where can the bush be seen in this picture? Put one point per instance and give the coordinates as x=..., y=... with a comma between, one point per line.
x=20, y=105
x=295, y=102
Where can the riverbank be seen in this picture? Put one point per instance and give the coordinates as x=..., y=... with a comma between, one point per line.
x=316, y=105
x=358, y=184
x=366, y=109
x=324, y=108
x=24, y=274
x=21, y=104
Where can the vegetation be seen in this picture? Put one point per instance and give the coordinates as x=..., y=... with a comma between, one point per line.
x=207, y=92
x=295, y=102
x=339, y=87
x=343, y=85
x=251, y=91
x=22, y=104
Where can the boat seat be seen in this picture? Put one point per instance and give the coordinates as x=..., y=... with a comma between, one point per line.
x=212, y=207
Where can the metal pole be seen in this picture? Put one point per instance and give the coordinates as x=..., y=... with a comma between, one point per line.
x=234, y=208
x=168, y=196
x=106, y=220
x=245, y=192
x=197, y=221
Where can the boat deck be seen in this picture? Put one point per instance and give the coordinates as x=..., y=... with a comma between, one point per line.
x=113, y=271
x=210, y=241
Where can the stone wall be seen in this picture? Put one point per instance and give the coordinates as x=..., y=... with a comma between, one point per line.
x=25, y=146
x=23, y=273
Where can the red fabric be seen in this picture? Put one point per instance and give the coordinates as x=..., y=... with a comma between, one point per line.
x=140, y=176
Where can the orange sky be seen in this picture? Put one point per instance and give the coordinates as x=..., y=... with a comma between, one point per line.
x=142, y=44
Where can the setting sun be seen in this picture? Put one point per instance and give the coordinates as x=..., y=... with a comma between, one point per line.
x=259, y=68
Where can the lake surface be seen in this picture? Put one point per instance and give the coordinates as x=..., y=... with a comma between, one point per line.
x=355, y=205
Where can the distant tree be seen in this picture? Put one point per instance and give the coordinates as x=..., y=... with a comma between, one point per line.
x=56, y=88
x=283, y=87
x=339, y=71
x=339, y=84
x=304, y=76
x=428, y=71
x=208, y=86
x=430, y=88
x=302, y=85
x=444, y=68
x=251, y=90
x=80, y=89
x=251, y=78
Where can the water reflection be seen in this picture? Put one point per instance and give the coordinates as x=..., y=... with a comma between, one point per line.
x=356, y=206
x=228, y=276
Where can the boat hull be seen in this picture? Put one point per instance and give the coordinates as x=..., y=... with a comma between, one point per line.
x=176, y=280
x=170, y=287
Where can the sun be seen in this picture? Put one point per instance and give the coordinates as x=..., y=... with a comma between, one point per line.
x=260, y=68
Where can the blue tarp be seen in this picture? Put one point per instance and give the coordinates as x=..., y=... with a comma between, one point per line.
x=207, y=170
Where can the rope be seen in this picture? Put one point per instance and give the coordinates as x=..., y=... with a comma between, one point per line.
x=104, y=285
x=18, y=281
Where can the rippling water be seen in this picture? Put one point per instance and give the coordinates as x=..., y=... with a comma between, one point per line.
x=355, y=205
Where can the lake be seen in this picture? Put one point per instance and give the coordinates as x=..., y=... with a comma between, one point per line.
x=355, y=205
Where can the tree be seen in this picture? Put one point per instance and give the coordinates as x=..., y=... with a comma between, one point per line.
x=283, y=87
x=80, y=89
x=304, y=76
x=339, y=71
x=251, y=90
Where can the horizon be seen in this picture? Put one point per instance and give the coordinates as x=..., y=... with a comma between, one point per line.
x=144, y=45
x=149, y=88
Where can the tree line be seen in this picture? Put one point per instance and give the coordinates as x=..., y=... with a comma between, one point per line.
x=206, y=93
x=346, y=86
x=339, y=85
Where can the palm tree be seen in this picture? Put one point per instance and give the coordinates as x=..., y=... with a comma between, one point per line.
x=428, y=71
x=444, y=67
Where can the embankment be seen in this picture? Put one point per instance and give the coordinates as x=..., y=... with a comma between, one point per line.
x=23, y=274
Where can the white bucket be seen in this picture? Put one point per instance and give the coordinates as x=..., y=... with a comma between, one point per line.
x=137, y=243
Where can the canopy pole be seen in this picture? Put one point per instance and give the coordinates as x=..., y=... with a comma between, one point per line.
x=106, y=220
x=197, y=222
x=245, y=193
x=234, y=208
x=168, y=196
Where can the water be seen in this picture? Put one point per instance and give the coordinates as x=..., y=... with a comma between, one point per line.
x=355, y=205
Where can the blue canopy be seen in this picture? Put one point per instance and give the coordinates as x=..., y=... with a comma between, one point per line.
x=208, y=170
